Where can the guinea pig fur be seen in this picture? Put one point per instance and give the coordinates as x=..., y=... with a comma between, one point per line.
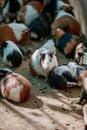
x=84, y=110
x=81, y=54
x=50, y=44
x=14, y=86
x=42, y=61
x=75, y=69
x=82, y=80
x=12, y=56
x=67, y=44
x=59, y=77
x=14, y=31
x=66, y=22
x=29, y=12
x=41, y=26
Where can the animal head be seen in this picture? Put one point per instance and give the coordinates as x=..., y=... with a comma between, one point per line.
x=48, y=60
x=4, y=72
x=81, y=54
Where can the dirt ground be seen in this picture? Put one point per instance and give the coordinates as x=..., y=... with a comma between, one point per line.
x=48, y=109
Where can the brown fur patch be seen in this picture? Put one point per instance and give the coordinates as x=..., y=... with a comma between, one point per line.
x=34, y=73
x=37, y=5
x=25, y=92
x=71, y=45
x=68, y=24
x=6, y=33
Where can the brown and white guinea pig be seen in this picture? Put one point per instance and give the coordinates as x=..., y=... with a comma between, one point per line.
x=66, y=42
x=12, y=56
x=60, y=76
x=67, y=22
x=14, y=86
x=84, y=110
x=10, y=9
x=40, y=27
x=64, y=6
x=81, y=54
x=42, y=61
x=29, y=12
x=14, y=31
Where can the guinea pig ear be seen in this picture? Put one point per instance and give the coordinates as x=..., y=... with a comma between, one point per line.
x=25, y=31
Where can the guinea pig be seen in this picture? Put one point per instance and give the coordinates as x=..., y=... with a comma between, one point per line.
x=75, y=69
x=40, y=27
x=11, y=8
x=42, y=61
x=29, y=12
x=14, y=86
x=14, y=31
x=66, y=42
x=60, y=77
x=81, y=54
x=84, y=110
x=67, y=22
x=12, y=56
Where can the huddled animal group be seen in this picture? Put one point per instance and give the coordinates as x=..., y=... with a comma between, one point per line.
x=54, y=23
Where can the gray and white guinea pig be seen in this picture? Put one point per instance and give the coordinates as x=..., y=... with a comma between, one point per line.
x=42, y=61
x=14, y=86
x=29, y=12
x=75, y=69
x=60, y=76
x=14, y=31
x=12, y=56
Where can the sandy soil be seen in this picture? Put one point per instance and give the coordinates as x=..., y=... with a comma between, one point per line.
x=48, y=109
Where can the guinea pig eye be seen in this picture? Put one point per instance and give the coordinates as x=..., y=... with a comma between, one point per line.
x=42, y=57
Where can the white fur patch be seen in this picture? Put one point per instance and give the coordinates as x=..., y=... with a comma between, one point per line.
x=30, y=15
x=8, y=50
x=85, y=58
x=63, y=13
x=14, y=92
x=60, y=4
x=18, y=29
x=34, y=35
x=50, y=45
x=6, y=9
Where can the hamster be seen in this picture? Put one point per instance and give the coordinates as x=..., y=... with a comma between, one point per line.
x=42, y=61
x=14, y=86
x=60, y=76
x=14, y=31
x=12, y=56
